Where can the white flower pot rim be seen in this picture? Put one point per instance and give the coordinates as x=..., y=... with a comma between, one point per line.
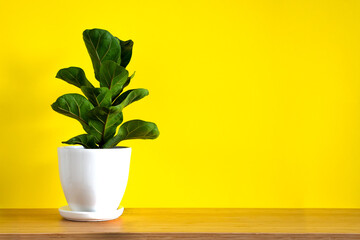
x=81, y=148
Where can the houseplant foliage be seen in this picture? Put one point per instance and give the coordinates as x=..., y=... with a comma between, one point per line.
x=100, y=111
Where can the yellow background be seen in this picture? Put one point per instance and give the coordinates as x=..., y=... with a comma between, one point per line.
x=257, y=102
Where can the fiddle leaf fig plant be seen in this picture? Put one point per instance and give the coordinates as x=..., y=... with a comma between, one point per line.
x=100, y=111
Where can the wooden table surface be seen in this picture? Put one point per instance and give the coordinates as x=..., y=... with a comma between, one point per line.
x=249, y=224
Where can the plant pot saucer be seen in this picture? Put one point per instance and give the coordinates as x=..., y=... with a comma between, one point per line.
x=68, y=214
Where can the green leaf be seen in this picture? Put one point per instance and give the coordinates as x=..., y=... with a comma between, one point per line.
x=113, y=76
x=86, y=140
x=103, y=123
x=98, y=96
x=101, y=46
x=126, y=52
x=75, y=76
x=129, y=79
x=134, y=129
x=124, y=86
x=75, y=106
x=129, y=97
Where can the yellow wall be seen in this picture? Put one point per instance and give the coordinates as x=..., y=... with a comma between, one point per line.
x=257, y=102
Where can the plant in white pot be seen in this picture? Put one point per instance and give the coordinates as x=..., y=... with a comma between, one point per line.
x=94, y=175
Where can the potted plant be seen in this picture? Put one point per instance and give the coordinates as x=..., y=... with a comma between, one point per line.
x=94, y=175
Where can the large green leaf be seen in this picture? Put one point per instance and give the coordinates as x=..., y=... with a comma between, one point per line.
x=75, y=106
x=113, y=76
x=130, y=96
x=101, y=46
x=124, y=86
x=98, y=96
x=129, y=79
x=86, y=140
x=126, y=52
x=134, y=129
x=75, y=76
x=103, y=123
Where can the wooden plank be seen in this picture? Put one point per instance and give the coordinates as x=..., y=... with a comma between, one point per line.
x=243, y=224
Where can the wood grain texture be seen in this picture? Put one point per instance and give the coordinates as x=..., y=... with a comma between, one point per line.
x=243, y=224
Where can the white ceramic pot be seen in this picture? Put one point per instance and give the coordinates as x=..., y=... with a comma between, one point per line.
x=93, y=179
